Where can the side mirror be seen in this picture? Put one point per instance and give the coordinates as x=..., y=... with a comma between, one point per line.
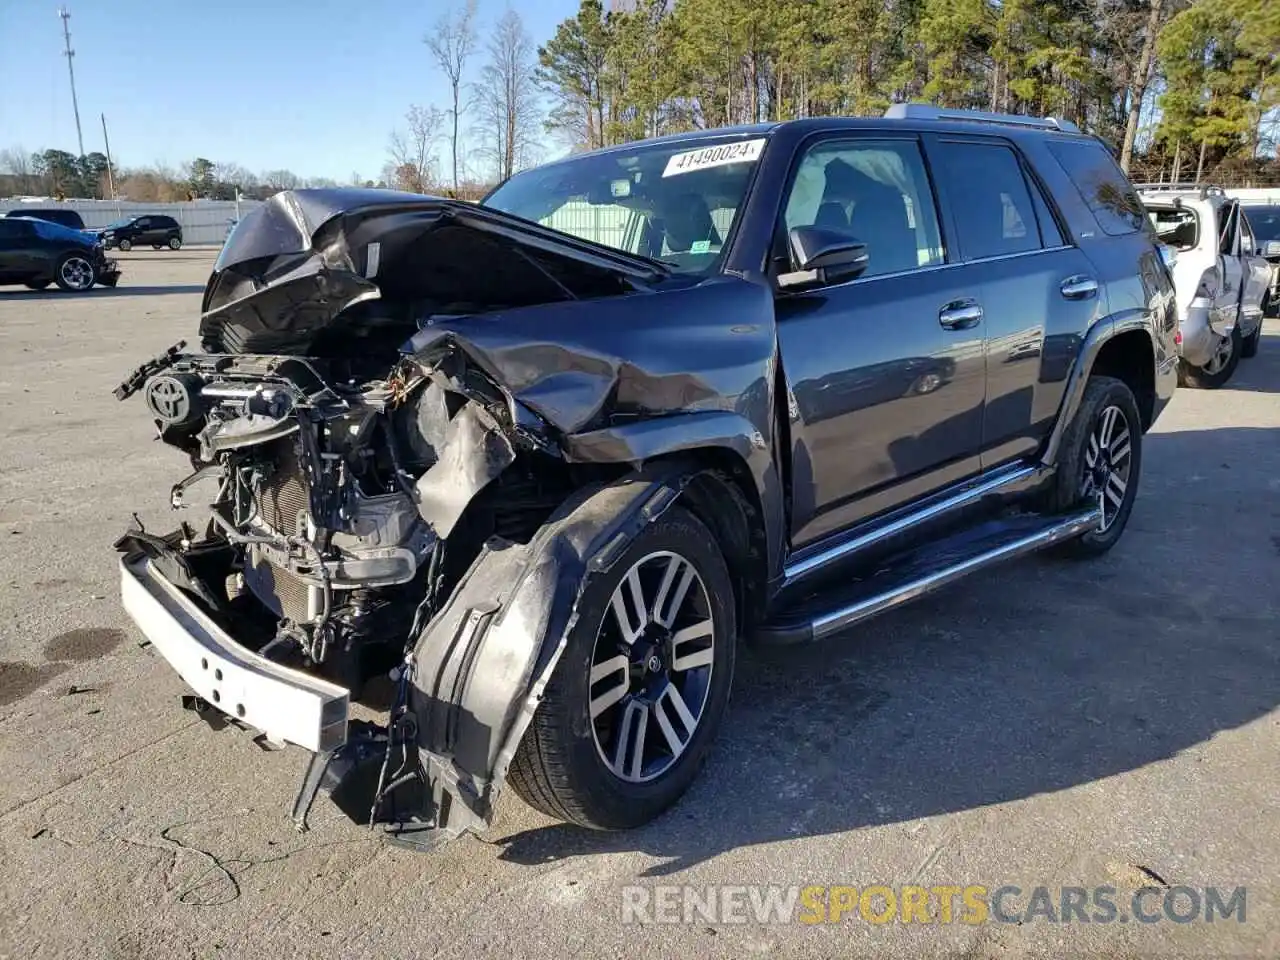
x=820, y=257
x=1168, y=255
x=1271, y=248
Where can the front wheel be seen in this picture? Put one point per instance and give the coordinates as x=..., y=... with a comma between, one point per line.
x=125, y=246
x=175, y=243
x=1100, y=464
x=36, y=284
x=156, y=246
x=1219, y=368
x=74, y=273
x=640, y=691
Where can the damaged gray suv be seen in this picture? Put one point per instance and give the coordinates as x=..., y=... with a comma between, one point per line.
x=546, y=460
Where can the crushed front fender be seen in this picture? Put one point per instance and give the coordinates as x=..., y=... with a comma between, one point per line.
x=479, y=667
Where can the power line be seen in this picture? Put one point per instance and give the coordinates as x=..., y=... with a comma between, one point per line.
x=65, y=14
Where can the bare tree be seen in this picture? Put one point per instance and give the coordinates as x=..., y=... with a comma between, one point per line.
x=507, y=97
x=277, y=180
x=412, y=164
x=1141, y=78
x=451, y=43
x=17, y=161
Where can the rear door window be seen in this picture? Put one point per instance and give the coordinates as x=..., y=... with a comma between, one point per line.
x=1103, y=187
x=994, y=211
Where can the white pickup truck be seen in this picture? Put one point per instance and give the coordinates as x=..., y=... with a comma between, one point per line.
x=1221, y=280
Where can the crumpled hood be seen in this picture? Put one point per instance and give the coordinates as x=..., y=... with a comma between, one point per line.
x=291, y=266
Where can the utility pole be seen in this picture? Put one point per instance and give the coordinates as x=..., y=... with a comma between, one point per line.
x=111, y=177
x=65, y=14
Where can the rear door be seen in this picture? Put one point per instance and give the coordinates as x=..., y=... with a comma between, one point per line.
x=1257, y=272
x=1231, y=294
x=1034, y=285
x=885, y=372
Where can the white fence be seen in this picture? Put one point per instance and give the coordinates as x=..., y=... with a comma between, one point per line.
x=203, y=221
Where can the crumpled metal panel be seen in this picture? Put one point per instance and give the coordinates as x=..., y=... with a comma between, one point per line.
x=481, y=665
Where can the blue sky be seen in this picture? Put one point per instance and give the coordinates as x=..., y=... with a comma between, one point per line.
x=314, y=87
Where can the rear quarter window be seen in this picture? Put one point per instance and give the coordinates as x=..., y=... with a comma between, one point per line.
x=1102, y=186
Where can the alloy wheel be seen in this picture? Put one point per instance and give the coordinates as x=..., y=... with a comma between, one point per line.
x=651, y=667
x=1221, y=356
x=1108, y=461
x=77, y=273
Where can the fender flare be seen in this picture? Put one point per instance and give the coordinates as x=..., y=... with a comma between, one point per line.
x=1095, y=339
x=645, y=441
x=479, y=667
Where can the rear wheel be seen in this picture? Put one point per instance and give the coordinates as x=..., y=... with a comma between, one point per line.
x=156, y=246
x=74, y=273
x=125, y=246
x=1219, y=368
x=37, y=284
x=175, y=243
x=1101, y=463
x=640, y=691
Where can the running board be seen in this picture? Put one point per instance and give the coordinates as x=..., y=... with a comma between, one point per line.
x=921, y=572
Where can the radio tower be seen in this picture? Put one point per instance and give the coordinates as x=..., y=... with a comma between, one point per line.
x=65, y=14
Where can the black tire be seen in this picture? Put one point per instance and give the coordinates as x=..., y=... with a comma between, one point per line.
x=1198, y=377
x=1067, y=493
x=558, y=768
x=125, y=246
x=37, y=284
x=157, y=246
x=175, y=243
x=74, y=273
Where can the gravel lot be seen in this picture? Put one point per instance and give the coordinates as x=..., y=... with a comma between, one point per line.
x=1046, y=724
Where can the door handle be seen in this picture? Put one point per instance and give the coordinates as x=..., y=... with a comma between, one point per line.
x=1079, y=287
x=960, y=315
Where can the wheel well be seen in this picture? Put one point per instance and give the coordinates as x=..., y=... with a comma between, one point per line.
x=722, y=495
x=1129, y=357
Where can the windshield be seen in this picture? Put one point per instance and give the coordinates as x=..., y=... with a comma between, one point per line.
x=120, y=223
x=1265, y=222
x=674, y=202
x=1175, y=226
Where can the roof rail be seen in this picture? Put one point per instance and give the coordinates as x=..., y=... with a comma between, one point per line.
x=1203, y=190
x=927, y=111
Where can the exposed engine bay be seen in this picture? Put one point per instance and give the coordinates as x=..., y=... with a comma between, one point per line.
x=420, y=427
x=335, y=495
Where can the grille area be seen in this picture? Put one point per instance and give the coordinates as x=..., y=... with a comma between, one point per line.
x=283, y=494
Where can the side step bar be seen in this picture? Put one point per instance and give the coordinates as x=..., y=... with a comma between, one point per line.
x=821, y=616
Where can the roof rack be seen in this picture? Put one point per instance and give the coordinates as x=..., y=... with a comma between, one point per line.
x=927, y=111
x=1202, y=190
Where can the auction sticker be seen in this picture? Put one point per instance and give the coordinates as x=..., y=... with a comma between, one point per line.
x=744, y=151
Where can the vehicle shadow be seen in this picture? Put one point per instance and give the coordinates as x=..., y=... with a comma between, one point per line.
x=121, y=291
x=1261, y=373
x=1041, y=676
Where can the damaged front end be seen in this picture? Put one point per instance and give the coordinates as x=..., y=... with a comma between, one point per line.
x=415, y=454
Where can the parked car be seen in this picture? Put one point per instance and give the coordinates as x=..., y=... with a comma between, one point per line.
x=1221, y=282
x=154, y=229
x=64, y=216
x=36, y=253
x=765, y=382
x=1264, y=223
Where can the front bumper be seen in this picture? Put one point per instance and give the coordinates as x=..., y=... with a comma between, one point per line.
x=108, y=273
x=285, y=704
x=1202, y=327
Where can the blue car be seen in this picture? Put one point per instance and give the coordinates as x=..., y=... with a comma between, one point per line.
x=36, y=253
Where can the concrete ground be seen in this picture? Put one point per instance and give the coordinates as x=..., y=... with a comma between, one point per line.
x=1048, y=724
